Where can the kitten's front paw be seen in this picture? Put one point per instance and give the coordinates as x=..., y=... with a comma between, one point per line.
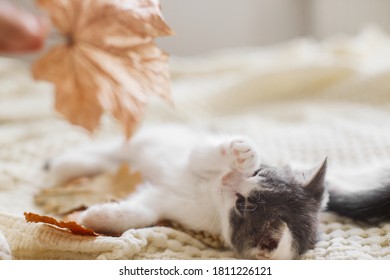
x=243, y=156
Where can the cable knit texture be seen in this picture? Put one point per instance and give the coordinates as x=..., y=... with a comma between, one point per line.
x=300, y=100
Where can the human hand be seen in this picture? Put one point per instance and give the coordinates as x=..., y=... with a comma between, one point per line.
x=20, y=31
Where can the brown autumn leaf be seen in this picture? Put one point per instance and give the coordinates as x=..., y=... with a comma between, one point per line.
x=87, y=191
x=110, y=61
x=71, y=226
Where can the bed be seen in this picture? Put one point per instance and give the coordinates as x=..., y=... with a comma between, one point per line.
x=301, y=100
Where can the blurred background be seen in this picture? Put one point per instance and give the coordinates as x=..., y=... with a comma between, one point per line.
x=206, y=25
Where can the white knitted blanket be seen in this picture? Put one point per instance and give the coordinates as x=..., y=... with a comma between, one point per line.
x=300, y=101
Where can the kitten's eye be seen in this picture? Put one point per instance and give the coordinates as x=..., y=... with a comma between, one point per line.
x=243, y=205
x=262, y=172
x=256, y=172
x=240, y=203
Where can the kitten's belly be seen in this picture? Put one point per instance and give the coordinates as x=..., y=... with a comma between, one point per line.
x=194, y=215
x=161, y=152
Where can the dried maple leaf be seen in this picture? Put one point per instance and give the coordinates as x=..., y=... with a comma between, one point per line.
x=71, y=226
x=87, y=191
x=110, y=62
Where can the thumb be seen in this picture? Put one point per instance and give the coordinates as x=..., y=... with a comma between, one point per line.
x=20, y=31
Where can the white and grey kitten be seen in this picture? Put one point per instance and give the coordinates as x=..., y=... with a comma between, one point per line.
x=211, y=183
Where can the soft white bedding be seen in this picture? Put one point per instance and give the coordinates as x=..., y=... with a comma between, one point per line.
x=301, y=101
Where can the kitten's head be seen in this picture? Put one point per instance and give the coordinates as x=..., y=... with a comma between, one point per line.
x=272, y=214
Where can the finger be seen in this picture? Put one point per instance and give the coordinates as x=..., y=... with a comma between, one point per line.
x=21, y=31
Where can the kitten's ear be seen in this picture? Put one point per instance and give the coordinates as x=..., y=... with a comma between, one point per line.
x=316, y=179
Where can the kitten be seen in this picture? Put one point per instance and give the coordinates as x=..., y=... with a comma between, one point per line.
x=215, y=184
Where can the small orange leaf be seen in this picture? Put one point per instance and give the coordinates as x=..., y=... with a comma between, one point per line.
x=110, y=61
x=71, y=226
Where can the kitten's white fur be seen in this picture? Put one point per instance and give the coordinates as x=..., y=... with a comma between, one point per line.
x=190, y=177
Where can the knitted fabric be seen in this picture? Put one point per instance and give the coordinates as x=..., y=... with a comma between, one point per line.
x=300, y=101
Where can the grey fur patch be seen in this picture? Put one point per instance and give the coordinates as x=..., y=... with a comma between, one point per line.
x=285, y=201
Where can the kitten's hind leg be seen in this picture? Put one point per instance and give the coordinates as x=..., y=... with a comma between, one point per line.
x=87, y=161
x=138, y=211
